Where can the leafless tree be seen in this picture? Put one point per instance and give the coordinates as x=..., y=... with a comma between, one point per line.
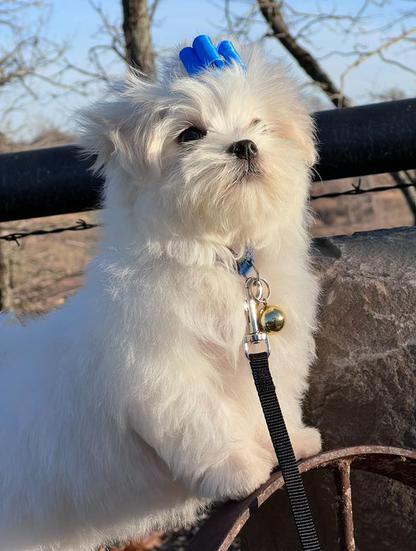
x=127, y=39
x=298, y=31
x=25, y=53
x=273, y=14
x=137, y=32
x=30, y=57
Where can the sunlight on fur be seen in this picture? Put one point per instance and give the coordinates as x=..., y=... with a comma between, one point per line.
x=133, y=406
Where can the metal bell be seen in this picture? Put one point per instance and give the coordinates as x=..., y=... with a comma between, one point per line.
x=271, y=319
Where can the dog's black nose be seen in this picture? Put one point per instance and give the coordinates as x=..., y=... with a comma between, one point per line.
x=244, y=149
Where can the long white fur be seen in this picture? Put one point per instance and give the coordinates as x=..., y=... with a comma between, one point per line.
x=133, y=405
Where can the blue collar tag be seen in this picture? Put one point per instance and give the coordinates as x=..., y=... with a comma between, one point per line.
x=204, y=55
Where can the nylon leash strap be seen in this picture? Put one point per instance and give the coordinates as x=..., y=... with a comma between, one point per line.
x=259, y=363
x=261, y=320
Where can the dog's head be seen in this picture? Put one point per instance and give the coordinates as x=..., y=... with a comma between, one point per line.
x=225, y=153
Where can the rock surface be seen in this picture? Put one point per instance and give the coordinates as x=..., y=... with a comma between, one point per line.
x=363, y=386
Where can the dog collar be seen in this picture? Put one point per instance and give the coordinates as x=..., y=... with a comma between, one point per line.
x=246, y=263
x=204, y=55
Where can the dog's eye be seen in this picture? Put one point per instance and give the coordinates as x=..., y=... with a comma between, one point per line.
x=260, y=125
x=190, y=134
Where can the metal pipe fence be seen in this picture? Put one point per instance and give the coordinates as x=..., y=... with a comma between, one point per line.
x=356, y=141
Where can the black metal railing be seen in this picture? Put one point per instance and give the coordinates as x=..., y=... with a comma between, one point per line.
x=357, y=141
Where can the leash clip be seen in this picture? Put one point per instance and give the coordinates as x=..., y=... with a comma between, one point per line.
x=257, y=292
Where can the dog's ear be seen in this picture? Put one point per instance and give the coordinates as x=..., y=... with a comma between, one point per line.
x=100, y=135
x=293, y=121
x=126, y=126
x=300, y=129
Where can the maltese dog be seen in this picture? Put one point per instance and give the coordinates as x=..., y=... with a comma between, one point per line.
x=133, y=406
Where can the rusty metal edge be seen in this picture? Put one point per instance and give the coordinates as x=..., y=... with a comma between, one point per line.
x=221, y=529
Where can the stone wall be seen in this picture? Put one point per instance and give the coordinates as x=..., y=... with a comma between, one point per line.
x=363, y=386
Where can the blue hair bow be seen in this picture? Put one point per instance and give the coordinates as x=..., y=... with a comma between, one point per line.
x=204, y=55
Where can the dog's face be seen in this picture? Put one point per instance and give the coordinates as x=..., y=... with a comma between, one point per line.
x=223, y=154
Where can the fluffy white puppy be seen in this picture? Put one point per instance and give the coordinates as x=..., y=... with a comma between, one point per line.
x=134, y=405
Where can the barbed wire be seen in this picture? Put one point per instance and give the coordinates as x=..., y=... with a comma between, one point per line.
x=356, y=189
x=81, y=224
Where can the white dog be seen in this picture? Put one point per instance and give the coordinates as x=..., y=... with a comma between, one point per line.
x=133, y=406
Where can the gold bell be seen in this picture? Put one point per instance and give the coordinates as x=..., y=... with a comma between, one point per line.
x=271, y=319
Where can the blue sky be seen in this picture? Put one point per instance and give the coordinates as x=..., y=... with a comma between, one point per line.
x=76, y=23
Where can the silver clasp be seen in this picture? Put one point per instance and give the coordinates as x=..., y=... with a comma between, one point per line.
x=257, y=292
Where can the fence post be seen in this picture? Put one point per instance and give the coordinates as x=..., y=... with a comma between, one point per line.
x=6, y=290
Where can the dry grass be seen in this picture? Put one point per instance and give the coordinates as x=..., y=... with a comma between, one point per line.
x=45, y=270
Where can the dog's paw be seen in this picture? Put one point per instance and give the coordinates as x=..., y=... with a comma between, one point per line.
x=237, y=476
x=306, y=442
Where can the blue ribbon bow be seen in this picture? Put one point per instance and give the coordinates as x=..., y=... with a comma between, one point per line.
x=204, y=55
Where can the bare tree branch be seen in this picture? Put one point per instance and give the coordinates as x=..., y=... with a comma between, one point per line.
x=111, y=30
x=26, y=52
x=152, y=9
x=272, y=13
x=363, y=56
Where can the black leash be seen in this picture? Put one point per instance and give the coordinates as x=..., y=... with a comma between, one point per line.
x=259, y=363
x=263, y=319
